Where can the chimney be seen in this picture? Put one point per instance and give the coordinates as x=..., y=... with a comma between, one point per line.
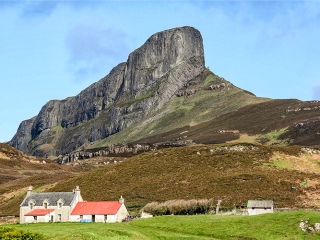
x=121, y=200
x=77, y=192
x=29, y=191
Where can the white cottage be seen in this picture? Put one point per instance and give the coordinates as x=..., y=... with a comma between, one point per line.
x=102, y=211
x=256, y=207
x=48, y=206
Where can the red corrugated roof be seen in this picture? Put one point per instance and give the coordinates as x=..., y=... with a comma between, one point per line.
x=39, y=212
x=96, y=208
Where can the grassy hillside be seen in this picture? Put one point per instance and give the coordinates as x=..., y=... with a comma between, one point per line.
x=232, y=173
x=268, y=226
x=274, y=122
x=186, y=111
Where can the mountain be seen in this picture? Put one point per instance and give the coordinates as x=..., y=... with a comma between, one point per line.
x=165, y=96
x=132, y=90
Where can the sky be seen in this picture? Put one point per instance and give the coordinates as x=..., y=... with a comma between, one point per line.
x=55, y=49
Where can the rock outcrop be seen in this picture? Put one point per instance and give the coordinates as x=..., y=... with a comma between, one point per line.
x=152, y=75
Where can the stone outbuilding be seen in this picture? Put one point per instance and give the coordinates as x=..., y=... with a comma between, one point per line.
x=256, y=207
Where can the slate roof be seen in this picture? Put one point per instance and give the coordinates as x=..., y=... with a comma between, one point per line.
x=96, y=208
x=39, y=212
x=260, y=204
x=51, y=197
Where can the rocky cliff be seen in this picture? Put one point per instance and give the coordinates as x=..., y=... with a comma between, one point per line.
x=152, y=75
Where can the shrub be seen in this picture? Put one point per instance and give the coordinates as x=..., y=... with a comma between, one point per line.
x=179, y=207
x=12, y=233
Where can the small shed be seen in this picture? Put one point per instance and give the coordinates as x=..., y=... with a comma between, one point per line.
x=256, y=207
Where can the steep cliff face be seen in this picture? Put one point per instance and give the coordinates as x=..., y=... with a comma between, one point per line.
x=151, y=77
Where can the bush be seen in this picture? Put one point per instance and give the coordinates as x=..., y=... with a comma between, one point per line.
x=15, y=234
x=179, y=207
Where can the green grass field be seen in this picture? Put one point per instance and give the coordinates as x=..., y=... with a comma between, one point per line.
x=267, y=226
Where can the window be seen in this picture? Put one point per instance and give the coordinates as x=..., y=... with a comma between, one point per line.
x=60, y=203
x=59, y=217
x=46, y=203
x=31, y=204
x=81, y=217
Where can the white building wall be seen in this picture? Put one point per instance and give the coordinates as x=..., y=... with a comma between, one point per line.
x=257, y=211
x=30, y=219
x=87, y=217
x=111, y=218
x=122, y=213
x=99, y=218
x=74, y=218
x=64, y=211
x=27, y=219
x=23, y=211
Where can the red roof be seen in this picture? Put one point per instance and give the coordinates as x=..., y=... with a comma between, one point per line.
x=39, y=212
x=96, y=208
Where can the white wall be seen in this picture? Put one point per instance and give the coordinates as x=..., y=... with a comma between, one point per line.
x=257, y=211
x=64, y=211
x=122, y=213
x=30, y=219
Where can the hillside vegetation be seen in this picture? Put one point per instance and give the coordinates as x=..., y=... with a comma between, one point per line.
x=233, y=173
x=273, y=122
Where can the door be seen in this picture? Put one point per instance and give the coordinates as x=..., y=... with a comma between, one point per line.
x=93, y=218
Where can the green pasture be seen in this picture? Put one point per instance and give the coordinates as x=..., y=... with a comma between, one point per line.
x=229, y=227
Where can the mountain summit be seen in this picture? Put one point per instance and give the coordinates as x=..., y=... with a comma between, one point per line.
x=152, y=75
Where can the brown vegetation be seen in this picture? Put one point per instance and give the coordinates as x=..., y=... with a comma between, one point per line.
x=18, y=171
x=233, y=173
x=299, y=119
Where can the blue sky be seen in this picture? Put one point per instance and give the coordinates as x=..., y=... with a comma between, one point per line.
x=55, y=49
